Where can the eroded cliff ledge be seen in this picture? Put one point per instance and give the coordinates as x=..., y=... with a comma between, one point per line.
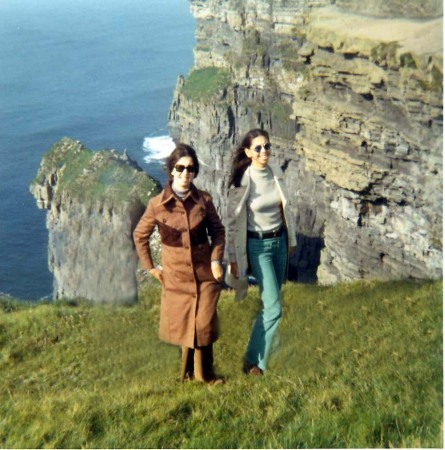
x=352, y=95
x=93, y=202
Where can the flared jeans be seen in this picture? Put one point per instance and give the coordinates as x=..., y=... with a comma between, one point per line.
x=268, y=263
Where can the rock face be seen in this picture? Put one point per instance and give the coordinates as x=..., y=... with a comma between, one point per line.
x=351, y=93
x=93, y=202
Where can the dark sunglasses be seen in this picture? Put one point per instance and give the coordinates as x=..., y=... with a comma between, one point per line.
x=180, y=168
x=267, y=147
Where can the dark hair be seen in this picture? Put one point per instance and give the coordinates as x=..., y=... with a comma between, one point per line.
x=240, y=161
x=180, y=151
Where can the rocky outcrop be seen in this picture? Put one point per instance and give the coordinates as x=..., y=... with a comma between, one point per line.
x=351, y=93
x=93, y=202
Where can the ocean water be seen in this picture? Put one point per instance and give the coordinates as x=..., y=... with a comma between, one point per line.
x=100, y=71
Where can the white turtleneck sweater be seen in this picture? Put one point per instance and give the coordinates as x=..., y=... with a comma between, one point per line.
x=264, y=201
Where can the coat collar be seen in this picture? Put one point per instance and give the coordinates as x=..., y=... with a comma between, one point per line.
x=168, y=194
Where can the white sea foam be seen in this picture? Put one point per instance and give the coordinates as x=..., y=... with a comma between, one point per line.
x=158, y=148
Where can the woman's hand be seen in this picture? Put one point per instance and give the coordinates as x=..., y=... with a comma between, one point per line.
x=234, y=269
x=217, y=271
x=157, y=273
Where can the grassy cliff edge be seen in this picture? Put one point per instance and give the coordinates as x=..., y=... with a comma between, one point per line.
x=355, y=365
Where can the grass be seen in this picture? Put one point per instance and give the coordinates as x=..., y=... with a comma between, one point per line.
x=355, y=365
x=203, y=84
x=94, y=176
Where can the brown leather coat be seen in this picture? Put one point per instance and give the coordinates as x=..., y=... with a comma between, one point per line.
x=190, y=292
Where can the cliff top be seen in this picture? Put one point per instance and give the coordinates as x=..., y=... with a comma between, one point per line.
x=354, y=33
x=72, y=170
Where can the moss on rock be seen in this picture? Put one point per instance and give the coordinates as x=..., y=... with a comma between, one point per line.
x=106, y=176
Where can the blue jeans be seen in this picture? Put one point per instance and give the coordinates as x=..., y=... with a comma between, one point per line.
x=268, y=262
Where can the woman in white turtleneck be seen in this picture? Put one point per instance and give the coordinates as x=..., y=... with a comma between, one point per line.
x=260, y=236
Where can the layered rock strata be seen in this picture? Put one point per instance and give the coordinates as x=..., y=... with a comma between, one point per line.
x=93, y=202
x=351, y=93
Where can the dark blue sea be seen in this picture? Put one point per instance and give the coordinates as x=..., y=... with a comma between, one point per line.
x=99, y=71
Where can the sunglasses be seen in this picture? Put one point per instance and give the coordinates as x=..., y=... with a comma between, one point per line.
x=267, y=147
x=180, y=168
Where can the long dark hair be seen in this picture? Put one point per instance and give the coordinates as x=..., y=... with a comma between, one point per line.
x=180, y=151
x=240, y=161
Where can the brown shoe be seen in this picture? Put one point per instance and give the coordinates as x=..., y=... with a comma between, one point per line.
x=203, y=366
x=187, y=364
x=216, y=381
x=252, y=369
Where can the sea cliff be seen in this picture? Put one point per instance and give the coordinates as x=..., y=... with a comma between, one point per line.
x=351, y=93
x=93, y=202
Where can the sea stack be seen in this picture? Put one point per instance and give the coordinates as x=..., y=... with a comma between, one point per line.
x=93, y=201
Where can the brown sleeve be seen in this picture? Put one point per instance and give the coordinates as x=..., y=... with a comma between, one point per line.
x=215, y=230
x=141, y=236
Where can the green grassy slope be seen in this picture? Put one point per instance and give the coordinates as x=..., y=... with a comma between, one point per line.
x=356, y=365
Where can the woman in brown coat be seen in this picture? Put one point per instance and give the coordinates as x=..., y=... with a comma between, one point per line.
x=191, y=265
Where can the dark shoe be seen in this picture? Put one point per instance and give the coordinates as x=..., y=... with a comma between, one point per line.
x=252, y=369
